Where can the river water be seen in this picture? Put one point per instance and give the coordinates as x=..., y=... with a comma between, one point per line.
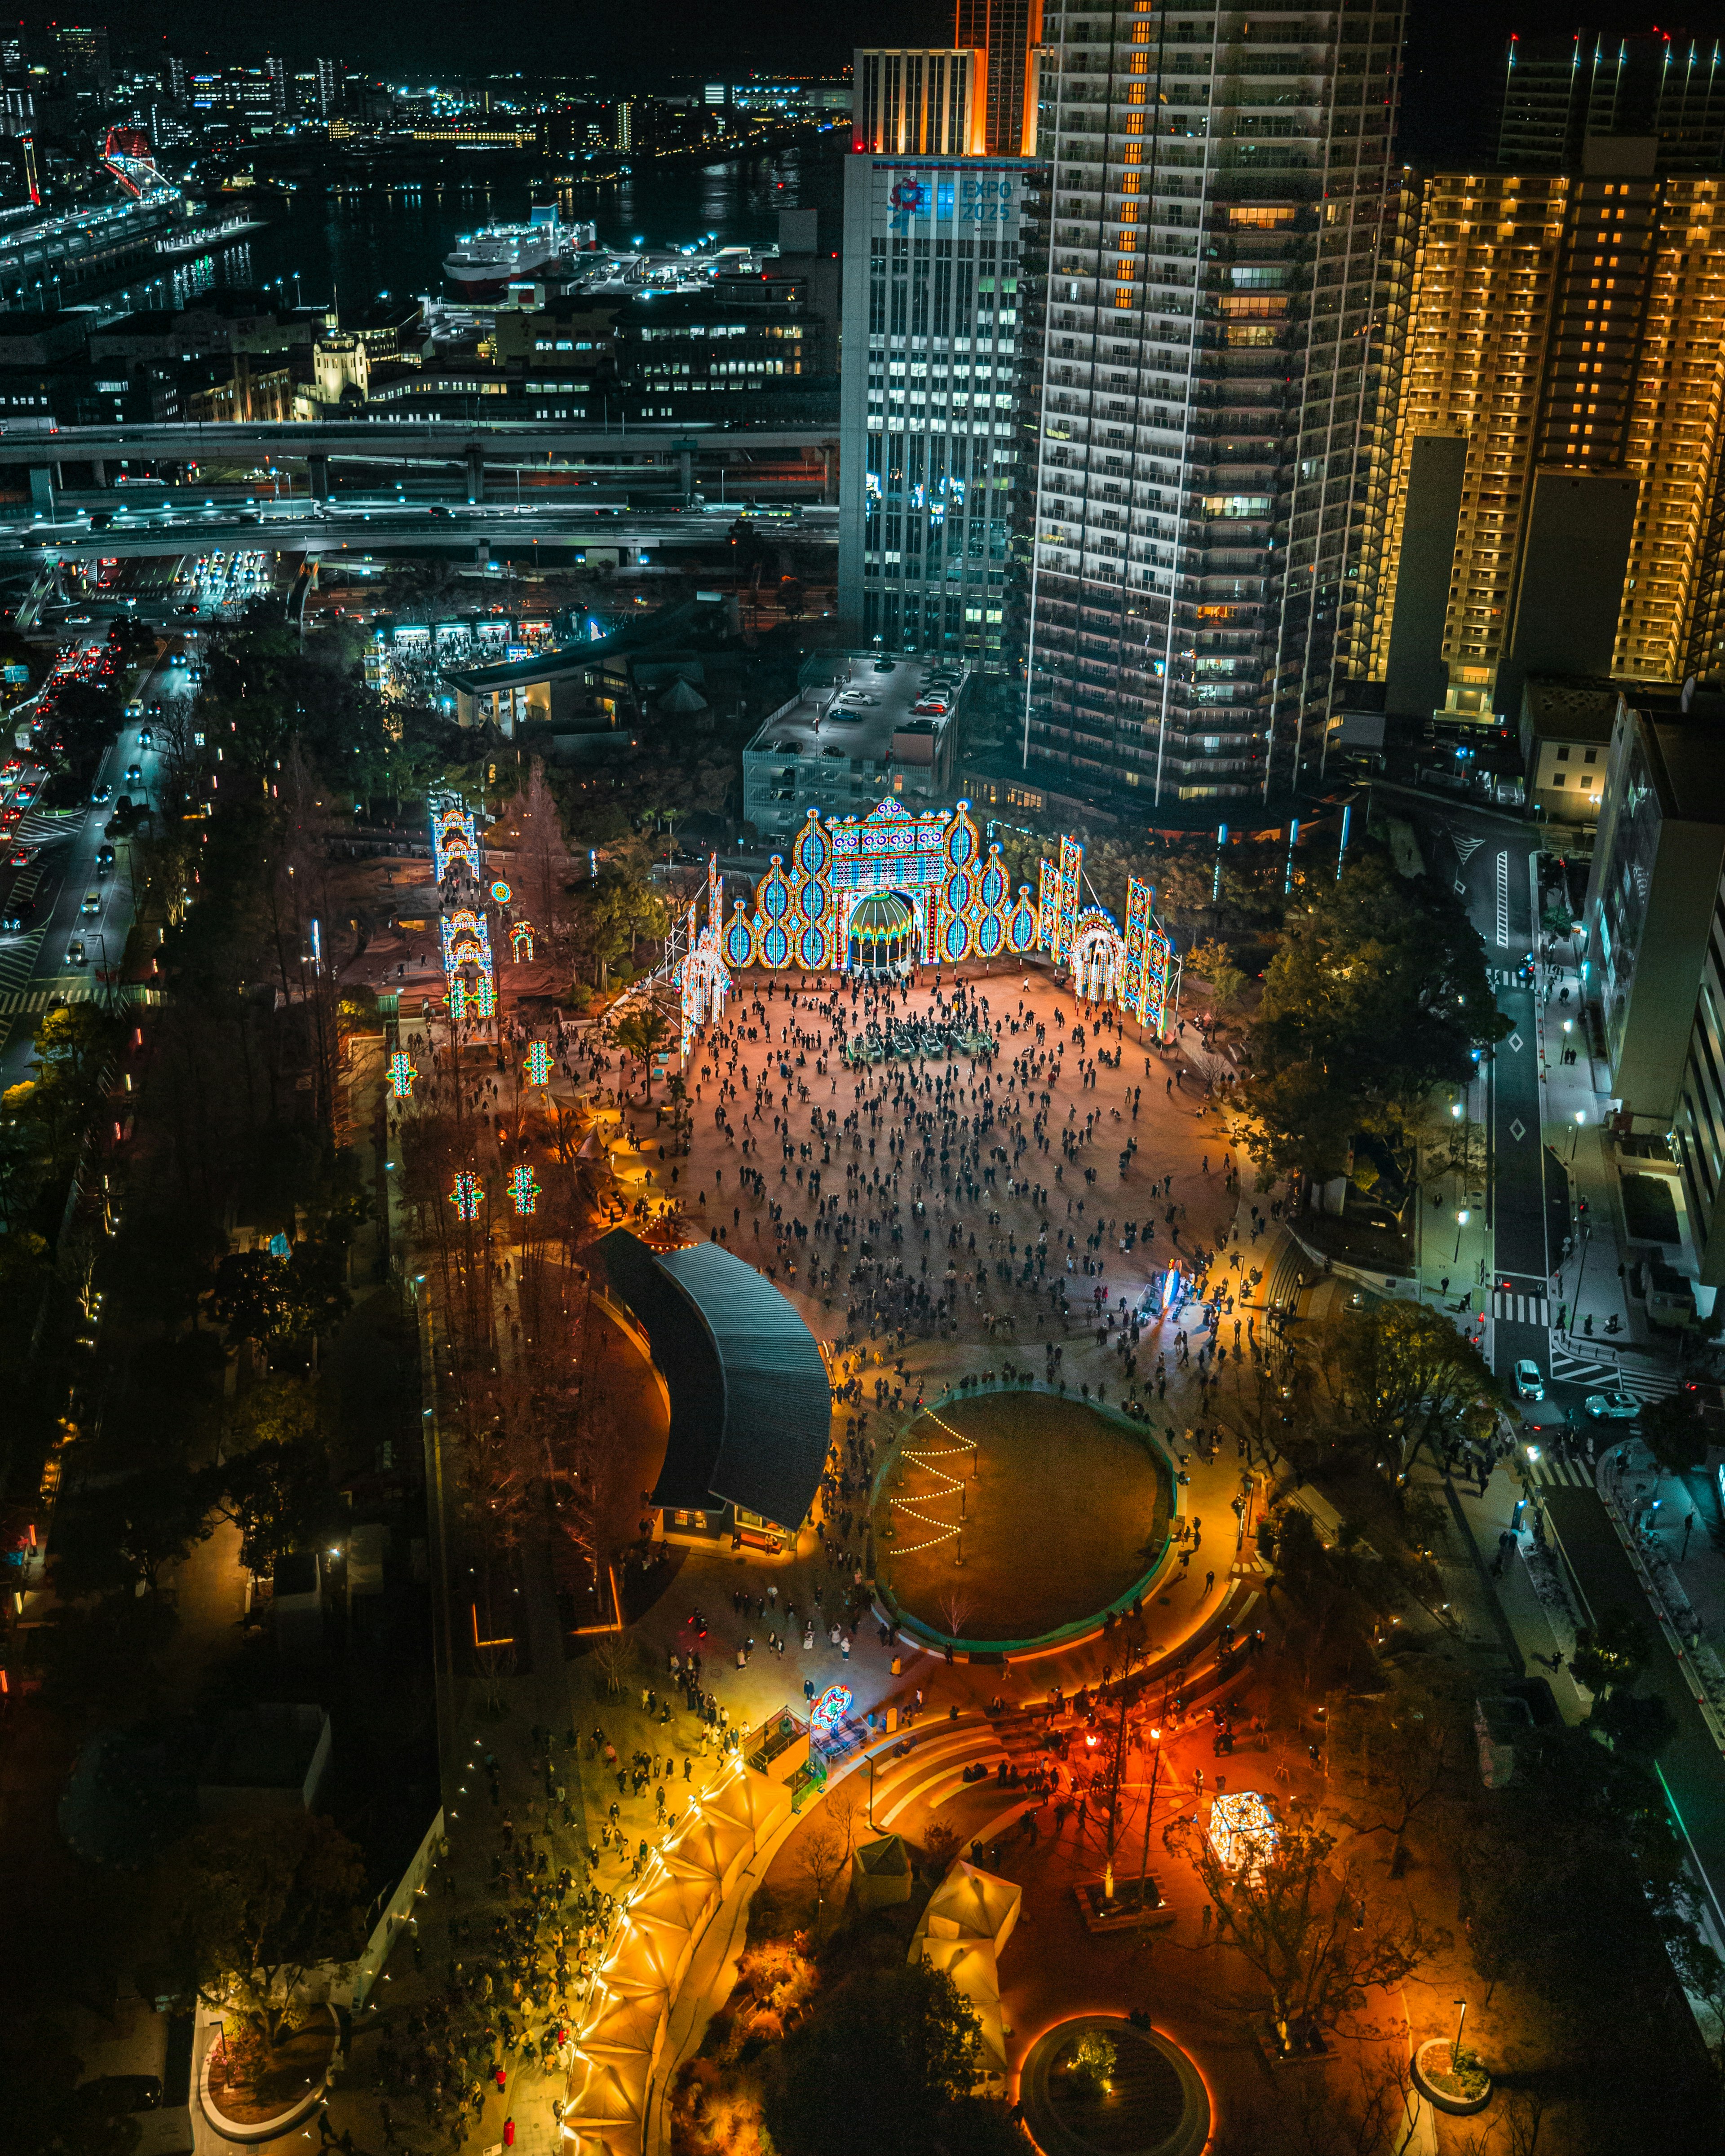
x=355, y=243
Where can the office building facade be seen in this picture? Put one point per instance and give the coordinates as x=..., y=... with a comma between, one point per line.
x=929, y=400
x=1554, y=499
x=1211, y=287
x=918, y=103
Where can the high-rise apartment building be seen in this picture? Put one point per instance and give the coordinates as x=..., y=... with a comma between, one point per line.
x=928, y=400
x=1210, y=274
x=920, y=104
x=1556, y=501
x=1007, y=34
x=1557, y=91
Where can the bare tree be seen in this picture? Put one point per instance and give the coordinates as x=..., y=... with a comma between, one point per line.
x=846, y=1804
x=955, y=1607
x=614, y=1659
x=822, y=1851
x=1303, y=1927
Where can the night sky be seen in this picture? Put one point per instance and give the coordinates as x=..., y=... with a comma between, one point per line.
x=1454, y=46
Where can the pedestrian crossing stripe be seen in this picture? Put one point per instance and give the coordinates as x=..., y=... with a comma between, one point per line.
x=75, y=990
x=1523, y=1309
x=1609, y=1377
x=1552, y=1473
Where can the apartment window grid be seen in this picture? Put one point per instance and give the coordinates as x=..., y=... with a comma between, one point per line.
x=1213, y=233
x=1569, y=322
x=931, y=270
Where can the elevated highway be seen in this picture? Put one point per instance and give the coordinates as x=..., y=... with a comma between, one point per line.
x=467, y=448
x=298, y=526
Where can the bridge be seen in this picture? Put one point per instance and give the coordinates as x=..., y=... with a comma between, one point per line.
x=316, y=530
x=468, y=447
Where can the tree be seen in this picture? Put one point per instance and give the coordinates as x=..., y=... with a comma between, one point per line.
x=642, y=1032
x=1612, y=1653
x=902, y=2044
x=118, y=1538
x=1402, y=1747
x=277, y=1494
x=820, y=1854
x=1675, y=1430
x=1331, y=1600
x=1305, y=1930
x=1378, y=993
x=1404, y=1379
x=246, y=1906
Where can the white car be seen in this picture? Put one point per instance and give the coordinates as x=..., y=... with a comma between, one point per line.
x=1530, y=1384
x=1613, y=1407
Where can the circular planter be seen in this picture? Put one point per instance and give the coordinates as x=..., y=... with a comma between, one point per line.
x=1157, y=2106
x=262, y=2129
x=1441, y=2087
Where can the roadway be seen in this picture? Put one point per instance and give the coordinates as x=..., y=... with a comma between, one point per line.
x=376, y=525
x=1487, y=859
x=444, y=441
x=36, y=968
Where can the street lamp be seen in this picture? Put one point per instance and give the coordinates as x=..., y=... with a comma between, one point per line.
x=1463, y=1218
x=1580, y=1119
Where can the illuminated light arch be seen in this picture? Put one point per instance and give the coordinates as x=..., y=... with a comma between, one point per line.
x=1097, y=952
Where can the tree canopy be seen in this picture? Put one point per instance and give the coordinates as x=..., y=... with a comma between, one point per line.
x=245, y=1906
x=904, y=2046
x=1378, y=992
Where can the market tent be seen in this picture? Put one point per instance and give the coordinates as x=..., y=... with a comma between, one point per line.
x=609, y=2100
x=970, y=1904
x=972, y=1965
x=624, y=2024
x=710, y=1848
x=651, y=1942
x=747, y=1799
x=674, y=1897
x=881, y=1873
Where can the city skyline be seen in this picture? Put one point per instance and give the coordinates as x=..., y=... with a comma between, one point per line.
x=1446, y=44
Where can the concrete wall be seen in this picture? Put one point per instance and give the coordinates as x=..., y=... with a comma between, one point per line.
x=1416, y=673
x=1569, y=592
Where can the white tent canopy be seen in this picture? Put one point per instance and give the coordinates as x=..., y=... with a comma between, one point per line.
x=970, y=1904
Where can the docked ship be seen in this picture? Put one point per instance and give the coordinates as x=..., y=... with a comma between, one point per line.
x=485, y=262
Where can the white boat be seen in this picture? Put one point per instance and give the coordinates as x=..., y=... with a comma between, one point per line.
x=484, y=262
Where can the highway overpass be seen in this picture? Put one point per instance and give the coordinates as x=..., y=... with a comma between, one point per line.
x=297, y=526
x=468, y=449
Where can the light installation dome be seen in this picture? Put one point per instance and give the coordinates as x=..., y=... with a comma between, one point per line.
x=1242, y=1831
x=883, y=917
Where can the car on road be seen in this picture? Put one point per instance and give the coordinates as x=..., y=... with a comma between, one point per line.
x=15, y=915
x=134, y=774
x=19, y=858
x=76, y=954
x=1530, y=1385
x=100, y=797
x=146, y=738
x=104, y=859
x=1613, y=1407
x=92, y=902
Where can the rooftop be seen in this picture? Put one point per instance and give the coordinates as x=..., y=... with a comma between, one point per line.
x=859, y=706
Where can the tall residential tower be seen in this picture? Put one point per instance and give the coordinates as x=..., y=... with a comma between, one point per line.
x=1207, y=274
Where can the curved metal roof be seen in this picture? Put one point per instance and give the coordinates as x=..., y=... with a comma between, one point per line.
x=750, y=1407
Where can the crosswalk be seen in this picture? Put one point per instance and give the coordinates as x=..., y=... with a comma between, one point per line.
x=1522, y=1309
x=1552, y=1470
x=1644, y=1384
x=17, y=960
x=73, y=988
